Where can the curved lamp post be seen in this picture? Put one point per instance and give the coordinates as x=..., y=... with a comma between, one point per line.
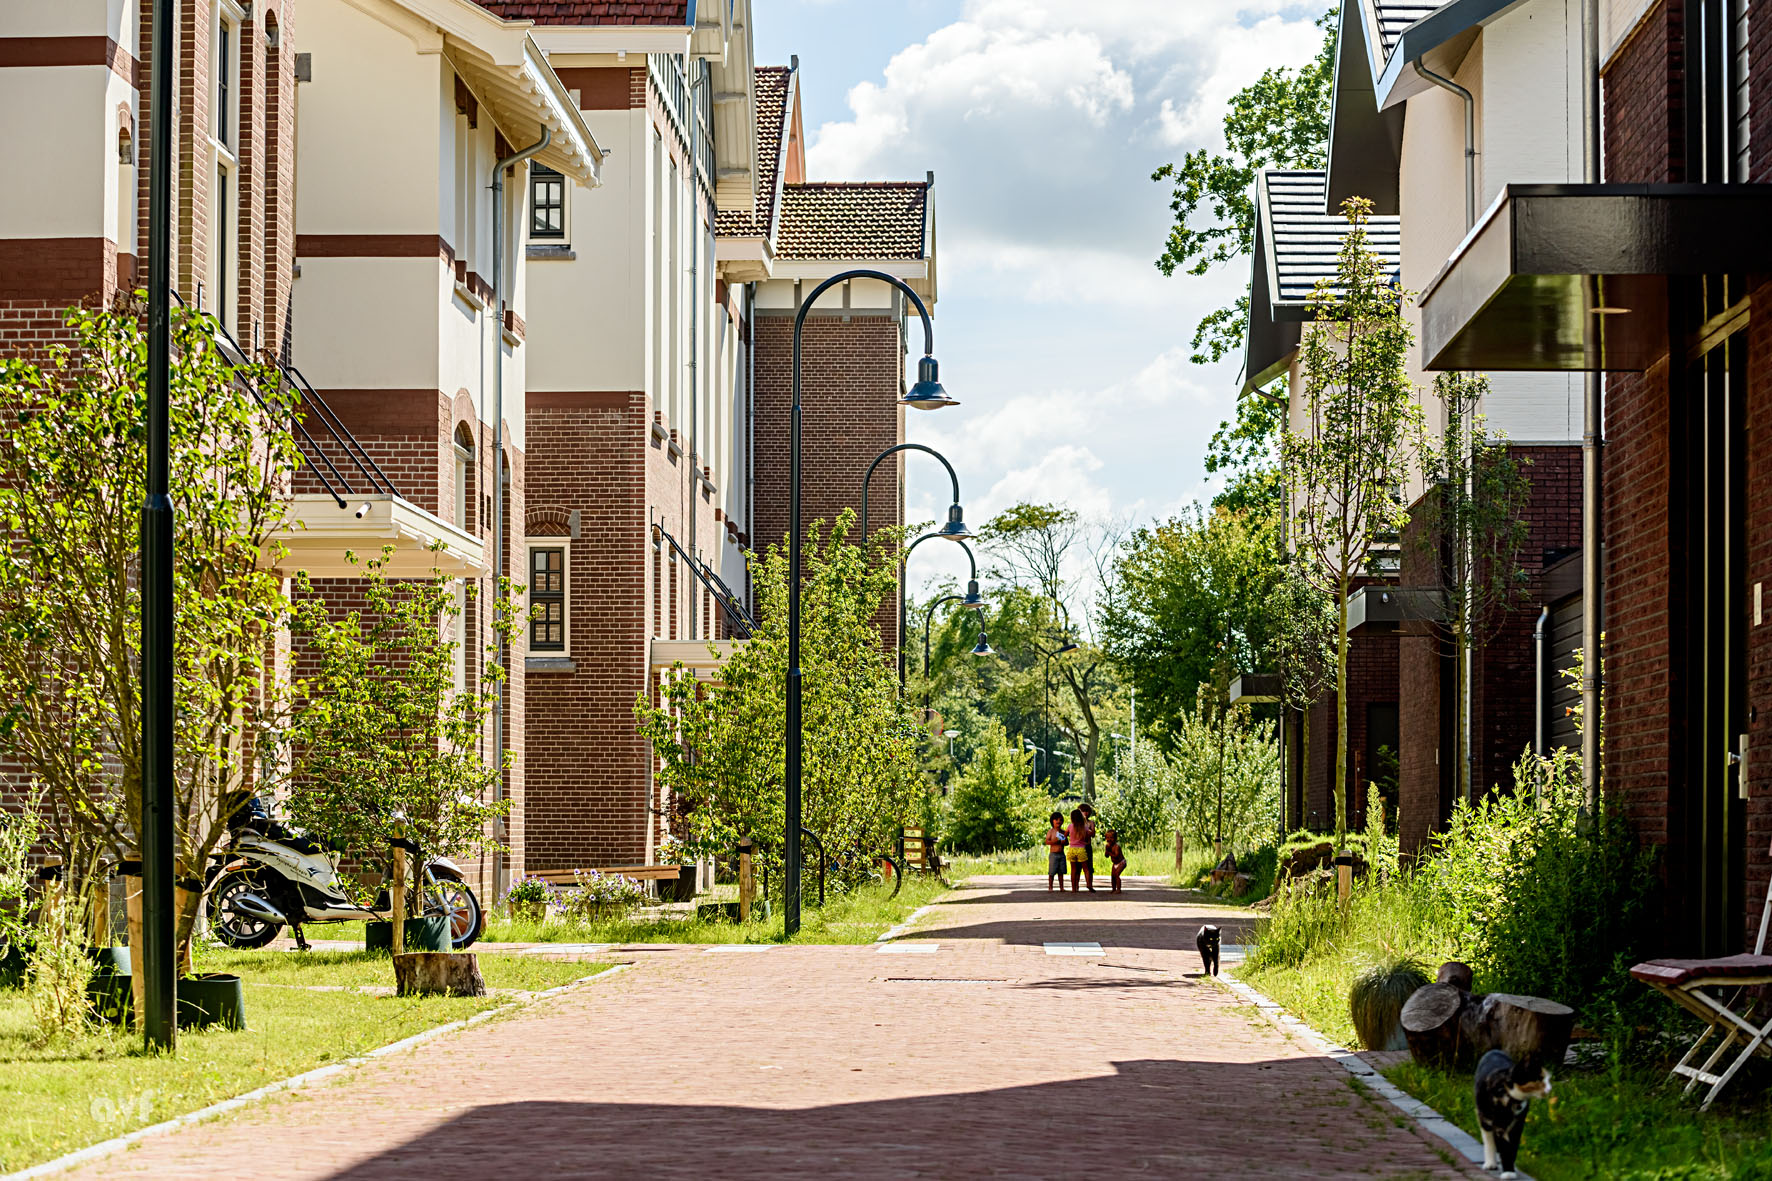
x=971, y=599
x=927, y=394
x=982, y=648
x=955, y=529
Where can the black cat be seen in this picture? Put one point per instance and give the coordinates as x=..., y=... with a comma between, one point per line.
x=1207, y=942
x=1505, y=1089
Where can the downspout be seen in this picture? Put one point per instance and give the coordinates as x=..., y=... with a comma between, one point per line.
x=1592, y=573
x=1285, y=520
x=498, y=446
x=694, y=121
x=1470, y=139
x=1538, y=715
x=750, y=427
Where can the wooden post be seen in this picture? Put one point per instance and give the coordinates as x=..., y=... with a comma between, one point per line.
x=1180, y=850
x=1344, y=877
x=132, y=909
x=183, y=904
x=397, y=896
x=746, y=884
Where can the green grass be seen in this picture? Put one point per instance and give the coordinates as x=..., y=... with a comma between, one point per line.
x=857, y=916
x=1622, y=1124
x=1156, y=861
x=77, y=1090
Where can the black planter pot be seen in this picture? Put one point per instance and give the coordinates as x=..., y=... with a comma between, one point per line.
x=214, y=998
x=110, y=990
x=681, y=890
x=430, y=933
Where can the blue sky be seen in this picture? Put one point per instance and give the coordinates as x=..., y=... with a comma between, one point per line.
x=1043, y=120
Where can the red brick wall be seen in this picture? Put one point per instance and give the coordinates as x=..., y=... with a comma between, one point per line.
x=1372, y=680
x=853, y=375
x=1759, y=572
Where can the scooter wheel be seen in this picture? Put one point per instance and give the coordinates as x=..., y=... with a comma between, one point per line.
x=231, y=926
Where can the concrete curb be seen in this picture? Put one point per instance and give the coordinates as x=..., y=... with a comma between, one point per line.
x=297, y=1082
x=1424, y=1117
x=909, y=921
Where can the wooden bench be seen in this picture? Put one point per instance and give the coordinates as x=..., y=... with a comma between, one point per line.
x=569, y=877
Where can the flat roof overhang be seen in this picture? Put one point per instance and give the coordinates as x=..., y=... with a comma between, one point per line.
x=1386, y=609
x=1254, y=689
x=1572, y=277
x=320, y=537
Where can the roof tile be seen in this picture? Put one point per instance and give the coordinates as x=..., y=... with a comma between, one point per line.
x=591, y=12
x=853, y=219
x=1306, y=242
x=773, y=85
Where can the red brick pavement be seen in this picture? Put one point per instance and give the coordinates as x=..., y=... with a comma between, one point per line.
x=987, y=1058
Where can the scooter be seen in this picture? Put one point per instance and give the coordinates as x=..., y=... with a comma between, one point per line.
x=270, y=878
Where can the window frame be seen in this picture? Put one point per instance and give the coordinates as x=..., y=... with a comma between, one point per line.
x=539, y=173
x=226, y=32
x=563, y=596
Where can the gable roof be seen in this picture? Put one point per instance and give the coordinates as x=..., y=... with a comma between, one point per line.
x=1296, y=244
x=774, y=88
x=1393, y=16
x=854, y=220
x=594, y=12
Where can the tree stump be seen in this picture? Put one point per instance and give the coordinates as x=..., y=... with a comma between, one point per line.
x=1520, y=1026
x=1456, y=973
x=438, y=973
x=1431, y=1025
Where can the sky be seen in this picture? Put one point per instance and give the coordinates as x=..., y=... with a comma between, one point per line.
x=1043, y=120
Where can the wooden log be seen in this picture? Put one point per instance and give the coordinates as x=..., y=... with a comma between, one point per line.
x=438, y=973
x=1456, y=973
x=1523, y=1027
x=1431, y=1025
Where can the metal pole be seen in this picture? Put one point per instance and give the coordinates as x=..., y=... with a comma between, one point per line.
x=794, y=719
x=1592, y=571
x=158, y=963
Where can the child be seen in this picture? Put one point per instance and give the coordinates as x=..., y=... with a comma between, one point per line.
x=1088, y=811
x=1076, y=846
x=1055, y=851
x=1116, y=857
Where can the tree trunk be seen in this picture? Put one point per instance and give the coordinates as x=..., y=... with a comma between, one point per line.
x=1431, y=1025
x=1456, y=973
x=1520, y=1026
x=438, y=973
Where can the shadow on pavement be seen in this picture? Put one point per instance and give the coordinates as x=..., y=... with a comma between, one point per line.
x=1161, y=934
x=1163, y=1118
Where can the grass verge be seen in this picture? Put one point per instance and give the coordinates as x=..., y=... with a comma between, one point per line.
x=1156, y=861
x=77, y=1090
x=857, y=916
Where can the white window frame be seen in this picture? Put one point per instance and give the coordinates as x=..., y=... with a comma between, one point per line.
x=564, y=545
x=224, y=198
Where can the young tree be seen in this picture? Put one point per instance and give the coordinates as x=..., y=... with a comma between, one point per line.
x=1347, y=462
x=1227, y=775
x=383, y=744
x=722, y=747
x=993, y=808
x=1474, y=534
x=1281, y=121
x=72, y=472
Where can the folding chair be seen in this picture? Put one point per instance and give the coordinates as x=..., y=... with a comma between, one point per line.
x=1684, y=982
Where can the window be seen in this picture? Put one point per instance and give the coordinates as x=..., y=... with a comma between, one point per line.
x=220, y=280
x=224, y=58
x=547, y=204
x=547, y=598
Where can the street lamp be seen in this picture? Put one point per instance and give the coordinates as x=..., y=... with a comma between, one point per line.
x=926, y=394
x=972, y=598
x=955, y=529
x=982, y=648
x=1034, y=771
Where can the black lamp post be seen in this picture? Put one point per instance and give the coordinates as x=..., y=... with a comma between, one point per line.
x=982, y=648
x=955, y=529
x=157, y=963
x=972, y=598
x=927, y=394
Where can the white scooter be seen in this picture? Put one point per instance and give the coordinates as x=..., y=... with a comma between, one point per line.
x=271, y=878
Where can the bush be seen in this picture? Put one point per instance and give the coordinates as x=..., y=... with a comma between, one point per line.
x=1141, y=807
x=1249, y=760
x=993, y=806
x=600, y=895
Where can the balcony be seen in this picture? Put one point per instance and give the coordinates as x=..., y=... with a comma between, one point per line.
x=322, y=532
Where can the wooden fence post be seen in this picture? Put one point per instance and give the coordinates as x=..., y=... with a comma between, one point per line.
x=397, y=896
x=1180, y=850
x=746, y=883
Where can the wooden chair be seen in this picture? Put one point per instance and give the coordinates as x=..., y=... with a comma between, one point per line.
x=1731, y=1016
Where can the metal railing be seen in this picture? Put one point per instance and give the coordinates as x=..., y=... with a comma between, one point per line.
x=742, y=621
x=666, y=72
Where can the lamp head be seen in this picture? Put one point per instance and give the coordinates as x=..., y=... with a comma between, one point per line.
x=1069, y=645
x=983, y=647
x=973, y=599
x=927, y=394
x=955, y=529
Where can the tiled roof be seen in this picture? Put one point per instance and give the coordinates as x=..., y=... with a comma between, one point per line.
x=875, y=219
x=1396, y=15
x=773, y=84
x=591, y=12
x=1306, y=239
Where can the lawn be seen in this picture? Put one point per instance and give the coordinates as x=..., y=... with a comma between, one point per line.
x=1153, y=861
x=77, y=1090
x=857, y=916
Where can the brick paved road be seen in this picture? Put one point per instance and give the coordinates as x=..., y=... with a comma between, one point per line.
x=986, y=1058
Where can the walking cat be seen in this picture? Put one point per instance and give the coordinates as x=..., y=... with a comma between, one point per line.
x=1207, y=942
x=1505, y=1089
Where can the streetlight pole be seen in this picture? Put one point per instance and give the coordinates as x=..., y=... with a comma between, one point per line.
x=926, y=394
x=982, y=648
x=158, y=964
x=955, y=529
x=972, y=598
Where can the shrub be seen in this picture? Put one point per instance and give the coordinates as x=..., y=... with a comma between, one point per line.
x=1141, y=806
x=600, y=892
x=1376, y=999
x=1234, y=770
x=529, y=891
x=993, y=806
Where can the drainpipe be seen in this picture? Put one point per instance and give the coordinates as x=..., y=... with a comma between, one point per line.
x=750, y=429
x=694, y=334
x=1539, y=633
x=1285, y=520
x=1470, y=138
x=1592, y=573
x=498, y=442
